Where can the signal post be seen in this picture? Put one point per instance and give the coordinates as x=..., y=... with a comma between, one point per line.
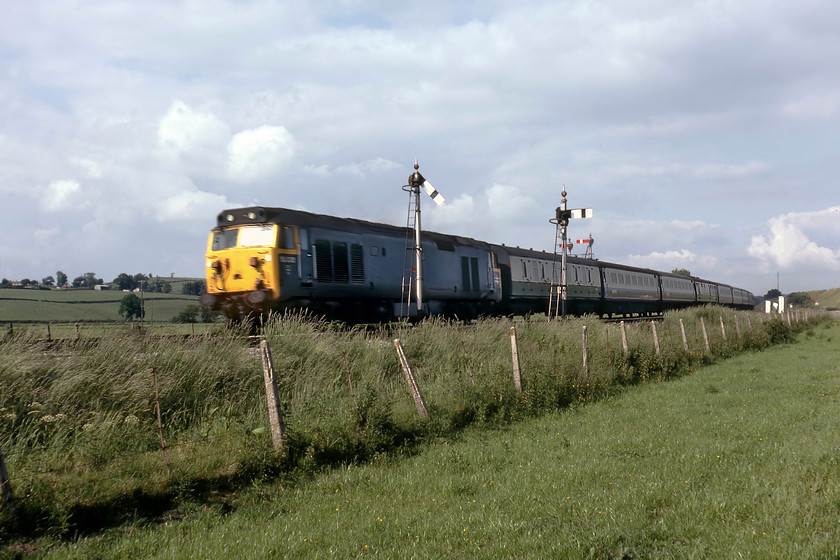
x=561, y=220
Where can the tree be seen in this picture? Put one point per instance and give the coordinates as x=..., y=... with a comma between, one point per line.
x=87, y=280
x=60, y=279
x=125, y=282
x=4, y=283
x=800, y=299
x=131, y=307
x=772, y=294
x=194, y=288
x=196, y=314
x=159, y=286
x=681, y=271
x=48, y=281
x=189, y=314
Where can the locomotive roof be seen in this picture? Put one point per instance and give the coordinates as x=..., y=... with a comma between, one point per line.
x=286, y=216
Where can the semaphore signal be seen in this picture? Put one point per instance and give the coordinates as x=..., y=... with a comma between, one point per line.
x=561, y=220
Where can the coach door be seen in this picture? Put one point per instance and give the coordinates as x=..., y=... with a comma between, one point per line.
x=305, y=258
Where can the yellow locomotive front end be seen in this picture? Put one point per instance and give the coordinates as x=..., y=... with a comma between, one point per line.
x=241, y=269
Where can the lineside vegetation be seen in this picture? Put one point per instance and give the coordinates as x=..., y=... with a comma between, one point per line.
x=78, y=424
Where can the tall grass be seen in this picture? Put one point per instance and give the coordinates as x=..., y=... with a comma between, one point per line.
x=78, y=423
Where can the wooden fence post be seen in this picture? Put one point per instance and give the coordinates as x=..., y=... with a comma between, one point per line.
x=514, y=349
x=419, y=401
x=49, y=334
x=722, y=328
x=7, y=497
x=749, y=322
x=655, y=336
x=352, y=392
x=585, y=353
x=624, y=339
x=467, y=361
x=275, y=414
x=160, y=423
x=682, y=330
x=76, y=330
x=705, y=335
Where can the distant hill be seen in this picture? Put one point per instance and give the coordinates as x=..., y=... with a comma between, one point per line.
x=829, y=299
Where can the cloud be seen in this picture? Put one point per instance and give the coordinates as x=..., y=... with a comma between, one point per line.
x=61, y=194
x=787, y=245
x=507, y=202
x=669, y=260
x=259, y=153
x=363, y=169
x=191, y=203
x=91, y=168
x=194, y=136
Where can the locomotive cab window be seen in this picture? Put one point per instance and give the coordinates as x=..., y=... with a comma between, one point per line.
x=224, y=239
x=256, y=236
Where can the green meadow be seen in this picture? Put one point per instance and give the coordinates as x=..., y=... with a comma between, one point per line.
x=727, y=453
x=82, y=305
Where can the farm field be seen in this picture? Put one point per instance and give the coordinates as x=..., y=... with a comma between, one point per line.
x=734, y=459
x=77, y=305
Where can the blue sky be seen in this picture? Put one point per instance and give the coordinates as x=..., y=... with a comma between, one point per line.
x=703, y=134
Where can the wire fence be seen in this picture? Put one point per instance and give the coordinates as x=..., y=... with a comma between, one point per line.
x=156, y=430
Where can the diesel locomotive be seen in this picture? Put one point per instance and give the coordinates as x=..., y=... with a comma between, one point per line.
x=262, y=259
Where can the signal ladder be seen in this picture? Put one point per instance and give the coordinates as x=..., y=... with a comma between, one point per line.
x=408, y=260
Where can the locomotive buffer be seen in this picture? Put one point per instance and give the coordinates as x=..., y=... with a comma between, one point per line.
x=415, y=181
x=561, y=220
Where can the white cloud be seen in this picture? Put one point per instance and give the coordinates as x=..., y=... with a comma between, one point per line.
x=91, y=168
x=814, y=105
x=786, y=245
x=191, y=203
x=364, y=169
x=507, y=202
x=61, y=194
x=190, y=133
x=259, y=153
x=669, y=260
x=42, y=235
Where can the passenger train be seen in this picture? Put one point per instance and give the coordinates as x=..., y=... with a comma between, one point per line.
x=261, y=259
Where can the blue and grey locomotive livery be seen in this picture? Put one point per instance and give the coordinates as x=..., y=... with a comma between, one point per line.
x=261, y=259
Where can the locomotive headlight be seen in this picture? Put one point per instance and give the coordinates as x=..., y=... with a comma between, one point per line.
x=251, y=216
x=229, y=217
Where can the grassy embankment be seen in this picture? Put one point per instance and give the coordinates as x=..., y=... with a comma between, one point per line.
x=829, y=299
x=702, y=465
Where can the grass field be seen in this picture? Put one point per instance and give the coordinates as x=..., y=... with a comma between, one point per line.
x=736, y=459
x=829, y=299
x=56, y=306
